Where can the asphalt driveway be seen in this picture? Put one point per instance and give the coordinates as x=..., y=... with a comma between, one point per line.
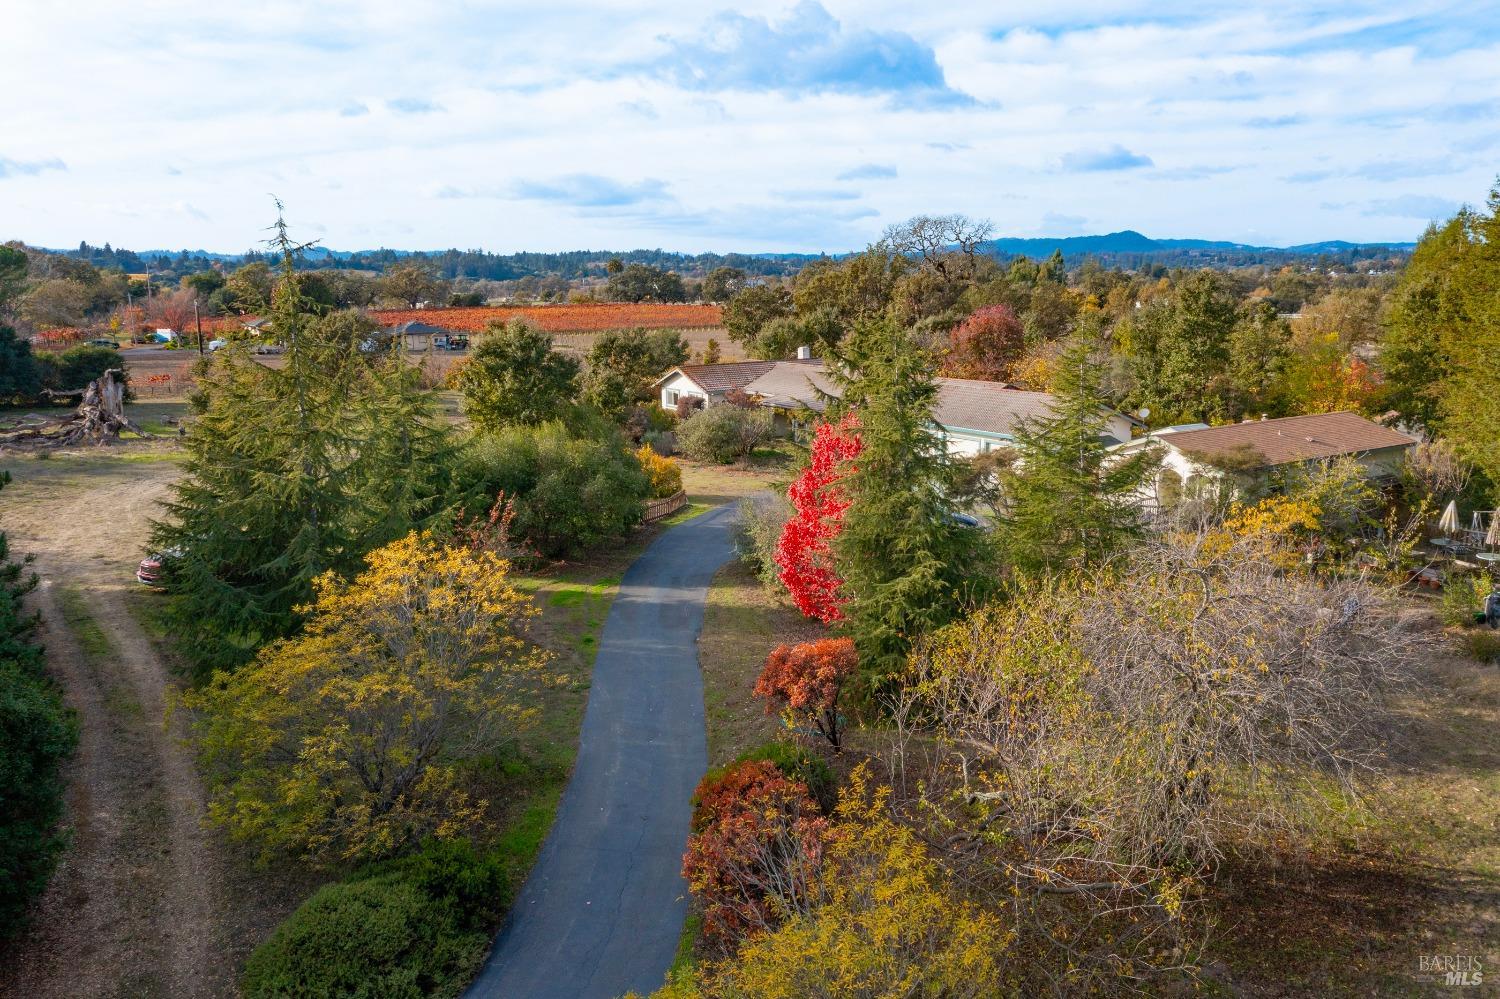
x=603, y=909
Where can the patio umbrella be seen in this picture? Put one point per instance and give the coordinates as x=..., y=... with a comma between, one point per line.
x=1492, y=536
x=1448, y=522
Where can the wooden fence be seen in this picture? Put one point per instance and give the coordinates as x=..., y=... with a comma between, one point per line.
x=657, y=509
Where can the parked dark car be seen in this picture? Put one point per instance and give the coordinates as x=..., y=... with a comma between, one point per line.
x=103, y=342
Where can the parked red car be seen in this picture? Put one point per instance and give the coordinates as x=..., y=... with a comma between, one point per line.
x=149, y=571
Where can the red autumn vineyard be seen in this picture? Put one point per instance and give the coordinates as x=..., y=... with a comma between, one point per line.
x=580, y=318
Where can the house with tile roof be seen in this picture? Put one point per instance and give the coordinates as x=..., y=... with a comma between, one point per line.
x=973, y=416
x=1256, y=448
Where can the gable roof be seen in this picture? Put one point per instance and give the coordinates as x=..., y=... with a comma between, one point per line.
x=722, y=377
x=418, y=327
x=988, y=407
x=962, y=403
x=1292, y=438
x=794, y=384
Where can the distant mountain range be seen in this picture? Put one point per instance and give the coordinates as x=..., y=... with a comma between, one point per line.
x=1124, y=241
x=1127, y=249
x=1130, y=241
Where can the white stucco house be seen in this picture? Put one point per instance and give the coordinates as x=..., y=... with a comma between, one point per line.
x=1256, y=448
x=973, y=416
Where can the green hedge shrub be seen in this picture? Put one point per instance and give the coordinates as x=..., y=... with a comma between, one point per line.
x=572, y=488
x=1463, y=600
x=24, y=374
x=762, y=518
x=724, y=433
x=1484, y=646
x=413, y=927
x=77, y=366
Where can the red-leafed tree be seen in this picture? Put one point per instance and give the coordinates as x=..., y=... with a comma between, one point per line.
x=987, y=345
x=756, y=850
x=804, y=555
x=174, y=311
x=805, y=681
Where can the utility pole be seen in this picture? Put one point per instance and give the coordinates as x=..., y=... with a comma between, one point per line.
x=199, y=320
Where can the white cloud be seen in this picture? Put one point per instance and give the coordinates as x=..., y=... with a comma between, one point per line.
x=1116, y=157
x=1252, y=117
x=1412, y=206
x=29, y=168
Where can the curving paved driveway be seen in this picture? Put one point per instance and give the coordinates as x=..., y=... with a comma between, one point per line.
x=603, y=909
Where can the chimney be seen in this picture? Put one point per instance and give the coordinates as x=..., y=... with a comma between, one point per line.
x=804, y=353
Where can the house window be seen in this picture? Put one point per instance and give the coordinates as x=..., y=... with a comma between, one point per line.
x=669, y=398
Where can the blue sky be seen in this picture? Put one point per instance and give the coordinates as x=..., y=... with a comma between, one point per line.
x=806, y=126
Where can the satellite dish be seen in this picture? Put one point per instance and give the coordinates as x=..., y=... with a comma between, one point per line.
x=1144, y=412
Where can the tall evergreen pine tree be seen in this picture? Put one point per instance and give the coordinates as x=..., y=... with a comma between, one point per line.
x=1071, y=501
x=37, y=734
x=292, y=472
x=907, y=566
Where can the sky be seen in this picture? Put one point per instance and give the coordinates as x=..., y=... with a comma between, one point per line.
x=756, y=128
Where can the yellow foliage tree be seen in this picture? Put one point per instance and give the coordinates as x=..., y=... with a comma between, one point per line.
x=343, y=743
x=1322, y=377
x=665, y=476
x=890, y=924
x=1276, y=516
x=1325, y=505
x=1279, y=528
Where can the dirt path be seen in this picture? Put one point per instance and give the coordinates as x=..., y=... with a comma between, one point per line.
x=137, y=905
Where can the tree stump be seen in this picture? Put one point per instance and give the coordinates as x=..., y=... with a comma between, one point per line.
x=101, y=414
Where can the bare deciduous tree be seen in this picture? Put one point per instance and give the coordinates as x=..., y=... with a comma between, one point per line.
x=948, y=244
x=1090, y=750
x=1438, y=470
x=173, y=311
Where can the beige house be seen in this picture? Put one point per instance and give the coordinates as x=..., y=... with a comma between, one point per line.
x=973, y=416
x=1256, y=448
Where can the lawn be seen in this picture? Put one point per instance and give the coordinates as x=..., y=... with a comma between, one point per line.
x=742, y=623
x=152, y=416
x=710, y=484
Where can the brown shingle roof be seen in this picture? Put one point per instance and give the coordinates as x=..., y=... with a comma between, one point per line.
x=1292, y=438
x=723, y=377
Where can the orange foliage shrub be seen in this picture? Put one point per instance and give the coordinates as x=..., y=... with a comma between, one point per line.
x=756, y=850
x=805, y=681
